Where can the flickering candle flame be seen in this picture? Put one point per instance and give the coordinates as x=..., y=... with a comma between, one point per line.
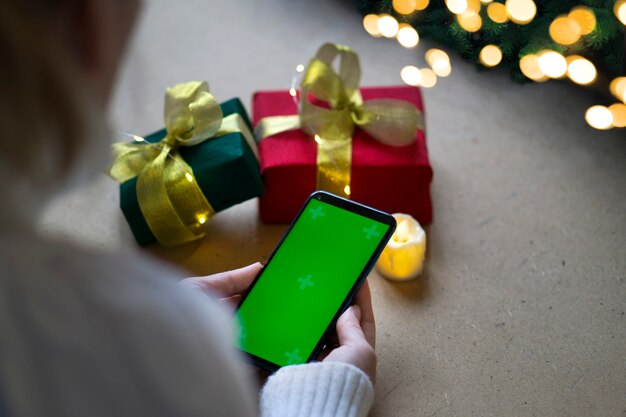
x=403, y=257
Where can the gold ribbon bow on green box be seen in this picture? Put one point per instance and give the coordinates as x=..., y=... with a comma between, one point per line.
x=170, y=199
x=390, y=121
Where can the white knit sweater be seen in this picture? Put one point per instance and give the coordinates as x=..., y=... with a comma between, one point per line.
x=85, y=333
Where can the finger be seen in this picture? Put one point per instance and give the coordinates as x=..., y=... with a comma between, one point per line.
x=229, y=283
x=363, y=298
x=349, y=329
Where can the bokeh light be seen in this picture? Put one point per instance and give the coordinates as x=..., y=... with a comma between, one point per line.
x=521, y=11
x=581, y=70
x=497, y=12
x=620, y=11
x=407, y=36
x=565, y=30
x=599, y=117
x=456, y=6
x=618, y=110
x=618, y=88
x=585, y=18
x=404, y=6
x=439, y=61
x=421, y=4
x=552, y=64
x=474, y=5
x=429, y=78
x=370, y=23
x=529, y=65
x=411, y=75
x=388, y=26
x=470, y=21
x=490, y=56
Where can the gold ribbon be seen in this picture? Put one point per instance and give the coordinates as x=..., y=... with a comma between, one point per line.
x=390, y=121
x=169, y=197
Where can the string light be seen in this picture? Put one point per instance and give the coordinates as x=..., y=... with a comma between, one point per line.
x=411, y=75
x=529, y=65
x=552, y=64
x=428, y=78
x=470, y=21
x=599, y=117
x=497, y=12
x=456, y=6
x=201, y=219
x=388, y=26
x=618, y=110
x=581, y=70
x=585, y=18
x=407, y=36
x=521, y=11
x=421, y=4
x=439, y=61
x=474, y=5
x=620, y=11
x=618, y=88
x=490, y=56
x=404, y=6
x=565, y=30
x=370, y=24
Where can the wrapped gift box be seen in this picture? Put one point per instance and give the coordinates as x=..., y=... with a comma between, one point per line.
x=226, y=169
x=392, y=179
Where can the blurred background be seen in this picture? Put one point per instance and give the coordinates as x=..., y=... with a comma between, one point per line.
x=521, y=308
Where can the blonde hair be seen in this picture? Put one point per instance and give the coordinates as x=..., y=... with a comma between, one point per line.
x=46, y=114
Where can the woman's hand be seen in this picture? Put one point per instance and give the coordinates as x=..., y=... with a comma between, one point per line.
x=356, y=334
x=226, y=286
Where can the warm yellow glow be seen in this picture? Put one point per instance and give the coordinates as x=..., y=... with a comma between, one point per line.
x=521, y=11
x=620, y=11
x=618, y=110
x=552, y=64
x=474, y=5
x=189, y=177
x=497, y=12
x=439, y=62
x=581, y=70
x=201, y=219
x=618, y=88
x=346, y=190
x=486, y=1
x=403, y=256
x=300, y=68
x=456, y=6
x=564, y=30
x=388, y=26
x=370, y=23
x=318, y=139
x=599, y=117
x=429, y=78
x=421, y=4
x=404, y=6
x=529, y=65
x=408, y=37
x=411, y=75
x=470, y=21
x=585, y=18
x=490, y=56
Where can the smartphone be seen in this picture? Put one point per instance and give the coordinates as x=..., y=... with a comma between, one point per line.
x=309, y=280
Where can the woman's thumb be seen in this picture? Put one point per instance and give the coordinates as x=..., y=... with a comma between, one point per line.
x=349, y=326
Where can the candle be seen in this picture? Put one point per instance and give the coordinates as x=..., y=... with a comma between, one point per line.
x=403, y=257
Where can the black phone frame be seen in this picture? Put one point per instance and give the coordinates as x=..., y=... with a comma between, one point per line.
x=349, y=205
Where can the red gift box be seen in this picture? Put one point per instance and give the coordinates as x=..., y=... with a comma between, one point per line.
x=389, y=178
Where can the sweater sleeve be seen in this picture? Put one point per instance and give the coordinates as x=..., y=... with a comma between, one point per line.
x=328, y=389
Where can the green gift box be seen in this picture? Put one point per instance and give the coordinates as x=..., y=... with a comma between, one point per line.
x=226, y=169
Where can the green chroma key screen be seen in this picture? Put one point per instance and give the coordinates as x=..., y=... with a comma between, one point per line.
x=305, y=283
